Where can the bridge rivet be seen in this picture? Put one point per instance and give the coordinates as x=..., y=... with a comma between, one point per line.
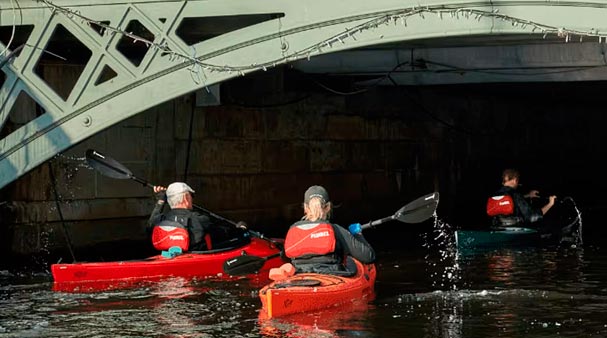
x=87, y=121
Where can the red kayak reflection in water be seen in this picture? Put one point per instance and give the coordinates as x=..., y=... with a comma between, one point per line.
x=331, y=322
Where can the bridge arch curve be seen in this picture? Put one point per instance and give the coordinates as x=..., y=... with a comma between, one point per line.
x=288, y=31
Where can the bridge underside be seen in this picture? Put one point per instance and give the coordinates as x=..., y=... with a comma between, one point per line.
x=135, y=55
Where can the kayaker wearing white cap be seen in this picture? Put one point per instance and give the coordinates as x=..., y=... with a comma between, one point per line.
x=179, y=197
x=316, y=245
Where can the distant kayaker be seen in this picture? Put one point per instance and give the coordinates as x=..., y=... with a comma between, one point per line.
x=509, y=207
x=314, y=244
x=181, y=216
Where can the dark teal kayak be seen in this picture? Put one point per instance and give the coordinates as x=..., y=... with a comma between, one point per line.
x=510, y=236
x=565, y=226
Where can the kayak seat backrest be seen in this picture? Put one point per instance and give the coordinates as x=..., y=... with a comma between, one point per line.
x=506, y=221
x=223, y=236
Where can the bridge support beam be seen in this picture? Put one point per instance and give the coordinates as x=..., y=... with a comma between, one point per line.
x=117, y=82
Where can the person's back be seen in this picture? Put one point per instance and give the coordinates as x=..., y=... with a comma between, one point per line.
x=522, y=213
x=316, y=245
x=178, y=195
x=198, y=226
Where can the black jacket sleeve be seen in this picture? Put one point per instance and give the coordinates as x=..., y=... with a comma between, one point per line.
x=199, y=226
x=526, y=210
x=355, y=245
x=155, y=217
x=523, y=209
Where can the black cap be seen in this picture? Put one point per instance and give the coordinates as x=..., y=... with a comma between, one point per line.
x=316, y=191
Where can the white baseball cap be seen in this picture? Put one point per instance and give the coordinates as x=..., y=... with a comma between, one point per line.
x=178, y=188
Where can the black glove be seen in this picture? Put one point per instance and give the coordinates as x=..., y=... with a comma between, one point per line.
x=161, y=196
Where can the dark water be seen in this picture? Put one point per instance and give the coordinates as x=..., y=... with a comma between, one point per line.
x=426, y=290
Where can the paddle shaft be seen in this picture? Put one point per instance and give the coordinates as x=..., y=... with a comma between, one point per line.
x=245, y=264
x=102, y=163
x=372, y=224
x=254, y=233
x=128, y=174
x=414, y=212
x=124, y=171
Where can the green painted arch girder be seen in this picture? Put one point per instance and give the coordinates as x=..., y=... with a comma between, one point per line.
x=171, y=68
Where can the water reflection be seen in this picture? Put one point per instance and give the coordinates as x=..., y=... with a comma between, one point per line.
x=344, y=321
x=531, y=292
x=171, y=313
x=431, y=292
x=552, y=268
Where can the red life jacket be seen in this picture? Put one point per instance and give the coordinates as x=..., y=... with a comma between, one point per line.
x=500, y=205
x=167, y=236
x=315, y=239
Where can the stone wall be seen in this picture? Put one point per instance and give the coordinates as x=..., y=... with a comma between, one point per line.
x=252, y=157
x=250, y=164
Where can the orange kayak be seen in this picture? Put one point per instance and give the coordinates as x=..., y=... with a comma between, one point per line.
x=311, y=291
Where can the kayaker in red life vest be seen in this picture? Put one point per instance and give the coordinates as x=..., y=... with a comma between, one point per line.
x=316, y=245
x=522, y=211
x=180, y=216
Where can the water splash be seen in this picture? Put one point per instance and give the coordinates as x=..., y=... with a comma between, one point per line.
x=578, y=240
x=444, y=269
x=68, y=167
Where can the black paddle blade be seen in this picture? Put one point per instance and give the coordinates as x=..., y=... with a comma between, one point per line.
x=419, y=210
x=107, y=166
x=243, y=265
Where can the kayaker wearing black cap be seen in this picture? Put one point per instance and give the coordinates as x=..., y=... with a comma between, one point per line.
x=179, y=197
x=518, y=211
x=316, y=245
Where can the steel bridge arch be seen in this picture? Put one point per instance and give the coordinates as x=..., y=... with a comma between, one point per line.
x=171, y=68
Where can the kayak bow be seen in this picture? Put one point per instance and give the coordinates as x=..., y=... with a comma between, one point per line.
x=311, y=291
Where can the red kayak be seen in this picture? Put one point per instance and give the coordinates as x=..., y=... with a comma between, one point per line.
x=87, y=277
x=311, y=291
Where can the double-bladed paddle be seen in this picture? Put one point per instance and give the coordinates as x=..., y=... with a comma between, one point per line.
x=416, y=211
x=109, y=167
x=245, y=264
